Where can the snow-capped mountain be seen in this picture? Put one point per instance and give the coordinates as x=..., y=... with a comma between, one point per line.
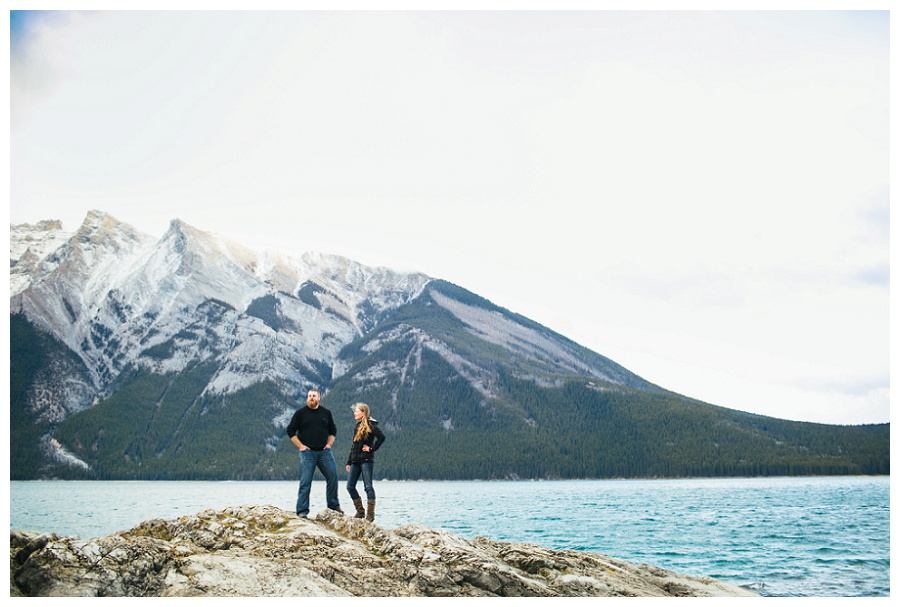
x=184, y=357
x=112, y=294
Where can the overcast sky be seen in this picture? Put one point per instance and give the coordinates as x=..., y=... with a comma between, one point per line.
x=701, y=196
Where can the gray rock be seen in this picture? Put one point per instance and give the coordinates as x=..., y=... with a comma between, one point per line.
x=266, y=551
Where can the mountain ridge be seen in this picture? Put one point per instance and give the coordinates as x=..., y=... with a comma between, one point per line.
x=182, y=337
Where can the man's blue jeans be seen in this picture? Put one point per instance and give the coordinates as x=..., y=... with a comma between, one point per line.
x=365, y=469
x=324, y=461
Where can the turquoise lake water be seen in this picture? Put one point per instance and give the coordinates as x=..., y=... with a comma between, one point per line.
x=814, y=537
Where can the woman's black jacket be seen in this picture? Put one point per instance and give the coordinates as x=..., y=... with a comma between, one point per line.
x=374, y=440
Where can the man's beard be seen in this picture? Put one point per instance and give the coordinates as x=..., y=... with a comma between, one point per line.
x=312, y=404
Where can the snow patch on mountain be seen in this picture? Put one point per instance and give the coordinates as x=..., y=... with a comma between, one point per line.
x=53, y=398
x=29, y=245
x=379, y=374
x=481, y=379
x=499, y=329
x=56, y=452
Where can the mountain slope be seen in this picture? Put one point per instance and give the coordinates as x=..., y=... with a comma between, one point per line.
x=184, y=357
x=467, y=388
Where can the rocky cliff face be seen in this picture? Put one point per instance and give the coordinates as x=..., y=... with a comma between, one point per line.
x=265, y=551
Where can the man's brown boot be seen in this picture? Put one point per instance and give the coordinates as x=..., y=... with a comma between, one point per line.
x=360, y=512
x=370, y=515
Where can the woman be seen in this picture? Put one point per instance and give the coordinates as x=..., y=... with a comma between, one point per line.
x=367, y=438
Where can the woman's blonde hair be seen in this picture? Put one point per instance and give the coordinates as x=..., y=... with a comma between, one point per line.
x=362, y=428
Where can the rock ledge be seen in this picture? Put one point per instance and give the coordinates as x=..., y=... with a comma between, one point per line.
x=266, y=551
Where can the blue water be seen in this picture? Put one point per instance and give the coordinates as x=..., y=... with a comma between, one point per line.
x=814, y=537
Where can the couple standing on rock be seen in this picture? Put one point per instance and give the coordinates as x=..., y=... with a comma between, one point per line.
x=313, y=430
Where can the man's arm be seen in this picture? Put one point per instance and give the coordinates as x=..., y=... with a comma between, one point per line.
x=332, y=430
x=292, y=428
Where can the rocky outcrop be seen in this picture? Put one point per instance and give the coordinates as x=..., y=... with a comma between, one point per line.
x=266, y=551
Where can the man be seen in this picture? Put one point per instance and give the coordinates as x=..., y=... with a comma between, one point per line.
x=312, y=429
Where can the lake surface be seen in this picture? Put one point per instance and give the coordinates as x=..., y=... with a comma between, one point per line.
x=819, y=537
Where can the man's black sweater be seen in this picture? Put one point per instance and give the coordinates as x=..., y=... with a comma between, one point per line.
x=312, y=427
